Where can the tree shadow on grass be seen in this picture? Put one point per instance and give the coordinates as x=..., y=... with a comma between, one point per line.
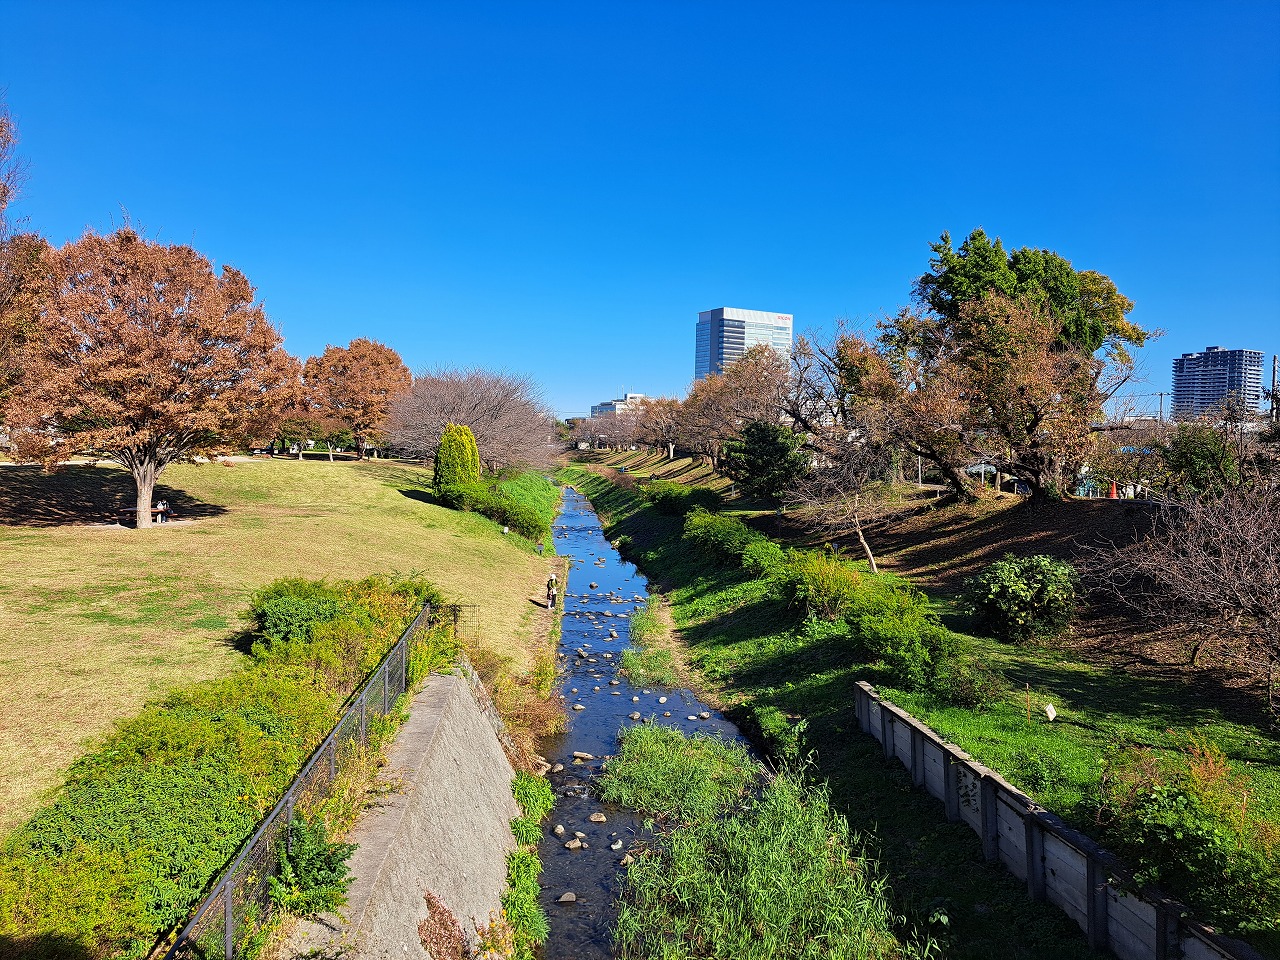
x=82, y=494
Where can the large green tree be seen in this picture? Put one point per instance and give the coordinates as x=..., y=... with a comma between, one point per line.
x=1090, y=312
x=457, y=458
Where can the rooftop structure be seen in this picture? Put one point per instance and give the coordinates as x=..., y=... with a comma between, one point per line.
x=611, y=408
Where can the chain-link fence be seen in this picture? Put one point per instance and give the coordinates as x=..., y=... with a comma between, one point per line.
x=238, y=904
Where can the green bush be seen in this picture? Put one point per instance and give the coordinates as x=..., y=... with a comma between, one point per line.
x=822, y=583
x=520, y=903
x=457, y=459
x=964, y=682
x=526, y=504
x=763, y=558
x=290, y=608
x=677, y=499
x=724, y=538
x=314, y=875
x=1022, y=599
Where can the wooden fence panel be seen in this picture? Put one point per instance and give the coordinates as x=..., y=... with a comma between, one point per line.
x=1066, y=882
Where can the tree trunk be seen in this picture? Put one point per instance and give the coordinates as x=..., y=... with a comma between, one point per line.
x=671, y=451
x=866, y=547
x=957, y=481
x=144, y=477
x=299, y=451
x=330, y=446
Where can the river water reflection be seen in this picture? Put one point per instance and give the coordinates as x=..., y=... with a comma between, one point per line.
x=602, y=592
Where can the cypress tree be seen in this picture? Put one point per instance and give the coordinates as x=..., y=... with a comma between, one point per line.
x=458, y=458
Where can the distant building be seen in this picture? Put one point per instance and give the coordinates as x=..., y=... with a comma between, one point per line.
x=1202, y=381
x=726, y=333
x=611, y=408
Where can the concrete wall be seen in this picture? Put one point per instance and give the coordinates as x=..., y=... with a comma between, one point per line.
x=1057, y=864
x=444, y=826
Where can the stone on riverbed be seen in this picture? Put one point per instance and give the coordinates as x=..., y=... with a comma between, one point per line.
x=597, y=818
x=569, y=897
x=578, y=706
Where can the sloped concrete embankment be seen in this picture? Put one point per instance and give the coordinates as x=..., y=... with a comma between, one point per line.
x=444, y=826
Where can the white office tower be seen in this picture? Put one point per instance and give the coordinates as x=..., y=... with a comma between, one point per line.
x=726, y=333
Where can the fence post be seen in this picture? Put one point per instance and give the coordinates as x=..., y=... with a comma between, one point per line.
x=363, y=738
x=333, y=758
x=990, y=818
x=404, y=667
x=1097, y=904
x=886, y=731
x=917, y=757
x=1035, y=854
x=951, y=784
x=386, y=706
x=229, y=922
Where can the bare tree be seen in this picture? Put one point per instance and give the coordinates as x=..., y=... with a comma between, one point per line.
x=504, y=410
x=658, y=424
x=1210, y=564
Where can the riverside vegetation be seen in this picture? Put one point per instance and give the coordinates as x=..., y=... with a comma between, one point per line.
x=128, y=845
x=743, y=868
x=1131, y=760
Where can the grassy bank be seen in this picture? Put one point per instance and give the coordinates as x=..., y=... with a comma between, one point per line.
x=741, y=869
x=95, y=621
x=750, y=653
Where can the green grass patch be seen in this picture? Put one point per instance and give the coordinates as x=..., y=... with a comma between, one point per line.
x=650, y=668
x=748, y=871
x=527, y=926
x=659, y=770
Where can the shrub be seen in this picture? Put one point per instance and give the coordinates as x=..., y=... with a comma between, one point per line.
x=966, y=683
x=763, y=558
x=724, y=538
x=517, y=504
x=457, y=459
x=314, y=875
x=1184, y=825
x=825, y=585
x=677, y=499
x=290, y=608
x=520, y=903
x=1021, y=599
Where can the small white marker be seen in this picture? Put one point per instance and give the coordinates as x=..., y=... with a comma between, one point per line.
x=1051, y=713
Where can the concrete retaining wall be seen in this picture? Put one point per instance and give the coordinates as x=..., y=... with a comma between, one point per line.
x=444, y=826
x=1057, y=863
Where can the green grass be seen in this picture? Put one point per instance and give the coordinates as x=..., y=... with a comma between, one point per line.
x=659, y=770
x=95, y=621
x=650, y=668
x=745, y=647
x=747, y=870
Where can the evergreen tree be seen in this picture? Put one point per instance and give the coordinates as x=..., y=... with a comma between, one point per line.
x=458, y=458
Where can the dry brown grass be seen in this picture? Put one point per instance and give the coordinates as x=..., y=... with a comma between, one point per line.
x=97, y=620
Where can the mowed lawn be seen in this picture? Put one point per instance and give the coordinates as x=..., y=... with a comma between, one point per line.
x=95, y=620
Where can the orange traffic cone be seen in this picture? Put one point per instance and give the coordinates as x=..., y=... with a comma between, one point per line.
x=1114, y=494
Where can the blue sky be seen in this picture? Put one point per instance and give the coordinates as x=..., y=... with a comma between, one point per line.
x=559, y=188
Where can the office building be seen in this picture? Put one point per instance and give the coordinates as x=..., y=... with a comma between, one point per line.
x=1203, y=381
x=611, y=408
x=725, y=334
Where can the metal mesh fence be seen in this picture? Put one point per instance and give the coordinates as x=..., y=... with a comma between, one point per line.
x=239, y=904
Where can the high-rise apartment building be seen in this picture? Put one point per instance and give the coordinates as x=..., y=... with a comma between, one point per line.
x=1202, y=381
x=726, y=333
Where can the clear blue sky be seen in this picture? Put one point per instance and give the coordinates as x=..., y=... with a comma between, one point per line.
x=559, y=188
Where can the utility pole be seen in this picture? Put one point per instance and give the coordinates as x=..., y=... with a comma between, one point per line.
x=1162, y=396
x=1275, y=394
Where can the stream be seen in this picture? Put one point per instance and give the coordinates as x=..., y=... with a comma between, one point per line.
x=602, y=592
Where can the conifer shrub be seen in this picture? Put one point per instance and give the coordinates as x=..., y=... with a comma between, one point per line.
x=1023, y=599
x=458, y=458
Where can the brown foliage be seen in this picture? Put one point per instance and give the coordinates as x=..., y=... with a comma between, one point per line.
x=440, y=933
x=504, y=410
x=356, y=385
x=753, y=388
x=147, y=357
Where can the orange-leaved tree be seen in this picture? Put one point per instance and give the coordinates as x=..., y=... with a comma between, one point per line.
x=146, y=357
x=356, y=385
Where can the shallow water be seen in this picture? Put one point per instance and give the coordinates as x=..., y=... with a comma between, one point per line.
x=584, y=929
